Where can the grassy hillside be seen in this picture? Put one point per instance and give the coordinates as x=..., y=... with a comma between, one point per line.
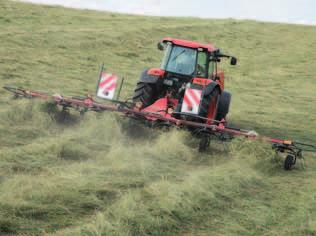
x=97, y=175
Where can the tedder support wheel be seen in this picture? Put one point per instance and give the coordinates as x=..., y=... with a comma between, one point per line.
x=144, y=93
x=223, y=105
x=204, y=143
x=289, y=162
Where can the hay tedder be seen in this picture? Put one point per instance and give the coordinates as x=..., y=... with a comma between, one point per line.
x=187, y=91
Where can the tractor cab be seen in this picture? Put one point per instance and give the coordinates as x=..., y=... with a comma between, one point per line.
x=190, y=58
x=186, y=58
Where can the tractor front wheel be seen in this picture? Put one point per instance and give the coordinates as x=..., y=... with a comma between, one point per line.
x=209, y=104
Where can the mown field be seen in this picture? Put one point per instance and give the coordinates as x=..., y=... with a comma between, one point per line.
x=96, y=175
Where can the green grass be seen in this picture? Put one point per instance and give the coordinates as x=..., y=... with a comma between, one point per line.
x=97, y=175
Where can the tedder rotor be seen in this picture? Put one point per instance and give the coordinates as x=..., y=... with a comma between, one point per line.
x=187, y=91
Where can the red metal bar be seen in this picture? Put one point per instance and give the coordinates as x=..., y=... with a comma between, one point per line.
x=90, y=104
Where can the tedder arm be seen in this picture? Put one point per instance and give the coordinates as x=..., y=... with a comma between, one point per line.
x=202, y=130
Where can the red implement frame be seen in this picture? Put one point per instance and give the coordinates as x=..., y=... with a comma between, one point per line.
x=202, y=130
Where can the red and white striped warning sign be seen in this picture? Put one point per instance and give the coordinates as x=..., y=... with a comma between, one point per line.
x=107, y=86
x=191, y=101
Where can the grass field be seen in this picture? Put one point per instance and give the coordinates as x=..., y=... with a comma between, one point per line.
x=98, y=176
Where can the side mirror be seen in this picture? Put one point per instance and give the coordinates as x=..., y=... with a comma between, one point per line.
x=233, y=61
x=161, y=46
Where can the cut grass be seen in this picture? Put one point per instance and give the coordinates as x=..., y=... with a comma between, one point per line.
x=100, y=175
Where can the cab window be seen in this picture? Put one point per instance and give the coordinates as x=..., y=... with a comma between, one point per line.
x=181, y=60
x=201, y=65
x=211, y=69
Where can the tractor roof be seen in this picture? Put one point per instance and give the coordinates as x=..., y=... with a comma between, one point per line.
x=190, y=44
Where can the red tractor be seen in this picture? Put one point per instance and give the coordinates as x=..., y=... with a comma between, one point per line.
x=188, y=85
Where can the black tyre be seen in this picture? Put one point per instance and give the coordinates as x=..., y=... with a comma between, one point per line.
x=223, y=105
x=204, y=143
x=288, y=162
x=206, y=102
x=144, y=93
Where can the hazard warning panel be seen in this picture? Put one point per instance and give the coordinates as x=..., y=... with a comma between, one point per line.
x=191, y=101
x=107, y=85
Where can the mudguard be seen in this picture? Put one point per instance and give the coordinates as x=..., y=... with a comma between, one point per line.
x=151, y=76
x=209, y=88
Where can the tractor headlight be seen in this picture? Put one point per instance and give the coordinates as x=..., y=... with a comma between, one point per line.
x=168, y=82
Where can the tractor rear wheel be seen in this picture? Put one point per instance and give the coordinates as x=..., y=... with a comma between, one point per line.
x=144, y=93
x=223, y=105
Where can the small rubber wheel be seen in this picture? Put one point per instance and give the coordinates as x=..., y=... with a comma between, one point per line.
x=64, y=115
x=288, y=162
x=204, y=143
